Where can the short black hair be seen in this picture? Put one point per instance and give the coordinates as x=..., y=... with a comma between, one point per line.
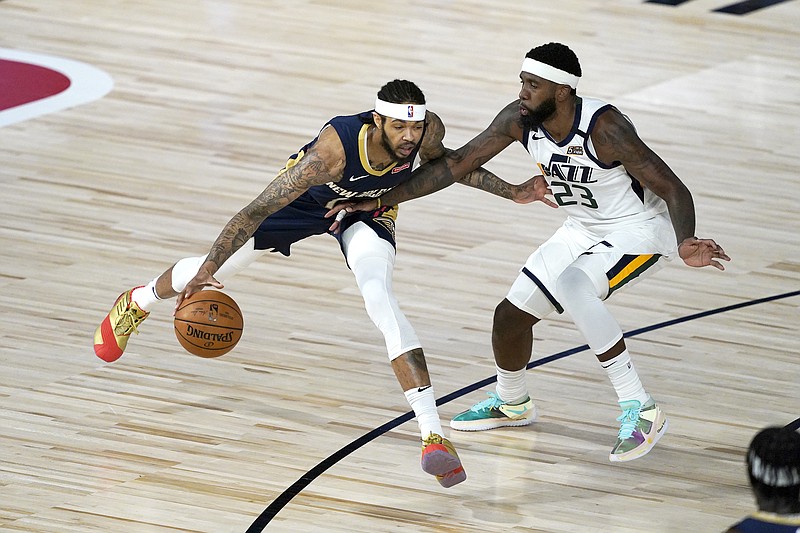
x=401, y=92
x=773, y=464
x=557, y=55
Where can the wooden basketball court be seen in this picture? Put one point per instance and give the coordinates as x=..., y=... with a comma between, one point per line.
x=303, y=428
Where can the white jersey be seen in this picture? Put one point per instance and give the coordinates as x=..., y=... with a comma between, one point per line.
x=599, y=197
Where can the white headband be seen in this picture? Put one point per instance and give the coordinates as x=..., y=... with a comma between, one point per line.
x=786, y=476
x=413, y=112
x=548, y=72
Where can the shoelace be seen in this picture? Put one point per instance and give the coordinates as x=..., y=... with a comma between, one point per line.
x=433, y=438
x=629, y=419
x=491, y=402
x=129, y=322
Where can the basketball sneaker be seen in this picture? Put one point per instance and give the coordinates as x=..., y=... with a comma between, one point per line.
x=111, y=336
x=494, y=413
x=640, y=428
x=439, y=458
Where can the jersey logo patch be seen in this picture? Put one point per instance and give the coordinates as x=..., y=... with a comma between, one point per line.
x=386, y=223
x=401, y=167
x=575, y=150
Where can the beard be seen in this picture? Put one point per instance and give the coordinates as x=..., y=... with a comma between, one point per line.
x=539, y=114
x=388, y=147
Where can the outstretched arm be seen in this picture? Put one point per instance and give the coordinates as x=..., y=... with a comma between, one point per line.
x=615, y=139
x=458, y=164
x=323, y=162
x=480, y=178
x=532, y=190
x=463, y=165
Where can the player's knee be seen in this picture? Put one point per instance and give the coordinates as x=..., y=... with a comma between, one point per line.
x=376, y=296
x=509, y=318
x=574, y=286
x=384, y=311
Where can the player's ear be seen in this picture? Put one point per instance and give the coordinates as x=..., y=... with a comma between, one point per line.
x=377, y=119
x=563, y=91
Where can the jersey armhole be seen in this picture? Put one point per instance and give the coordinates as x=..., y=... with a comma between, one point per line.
x=587, y=140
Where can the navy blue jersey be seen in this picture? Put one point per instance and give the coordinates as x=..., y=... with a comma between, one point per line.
x=305, y=216
x=769, y=523
x=359, y=179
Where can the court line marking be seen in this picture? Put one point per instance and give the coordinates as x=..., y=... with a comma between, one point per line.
x=88, y=83
x=287, y=495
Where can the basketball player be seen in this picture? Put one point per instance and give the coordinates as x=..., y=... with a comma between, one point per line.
x=773, y=466
x=355, y=156
x=626, y=212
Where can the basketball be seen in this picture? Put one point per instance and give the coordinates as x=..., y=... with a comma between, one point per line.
x=208, y=323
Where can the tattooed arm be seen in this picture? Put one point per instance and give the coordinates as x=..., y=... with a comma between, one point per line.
x=323, y=162
x=472, y=174
x=432, y=147
x=458, y=164
x=534, y=189
x=462, y=165
x=615, y=139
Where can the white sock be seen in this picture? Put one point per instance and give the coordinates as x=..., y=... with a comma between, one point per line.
x=146, y=296
x=423, y=402
x=625, y=379
x=511, y=385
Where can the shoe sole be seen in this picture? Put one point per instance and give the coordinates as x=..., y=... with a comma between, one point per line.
x=642, y=450
x=453, y=477
x=493, y=423
x=439, y=461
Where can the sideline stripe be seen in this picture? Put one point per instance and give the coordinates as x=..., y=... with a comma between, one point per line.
x=748, y=6
x=280, y=502
x=667, y=2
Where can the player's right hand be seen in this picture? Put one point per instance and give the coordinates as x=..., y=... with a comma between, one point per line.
x=202, y=279
x=535, y=189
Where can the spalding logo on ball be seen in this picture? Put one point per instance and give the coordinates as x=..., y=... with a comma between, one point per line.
x=208, y=323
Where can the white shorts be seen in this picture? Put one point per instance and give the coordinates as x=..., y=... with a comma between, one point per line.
x=612, y=260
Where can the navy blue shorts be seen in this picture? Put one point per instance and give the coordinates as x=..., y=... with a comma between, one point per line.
x=304, y=218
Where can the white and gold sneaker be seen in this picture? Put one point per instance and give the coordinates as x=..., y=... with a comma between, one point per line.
x=111, y=336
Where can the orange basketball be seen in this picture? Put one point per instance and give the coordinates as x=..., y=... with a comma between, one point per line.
x=208, y=323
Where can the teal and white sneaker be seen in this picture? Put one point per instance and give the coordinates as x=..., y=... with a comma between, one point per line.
x=494, y=413
x=640, y=428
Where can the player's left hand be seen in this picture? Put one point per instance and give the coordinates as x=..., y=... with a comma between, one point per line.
x=342, y=209
x=702, y=252
x=535, y=189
